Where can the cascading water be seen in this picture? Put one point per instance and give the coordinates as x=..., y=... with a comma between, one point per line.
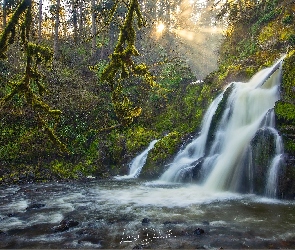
x=185, y=159
x=137, y=163
x=223, y=148
x=272, y=175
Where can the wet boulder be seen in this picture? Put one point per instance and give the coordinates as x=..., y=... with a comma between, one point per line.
x=199, y=231
x=145, y=221
x=139, y=246
x=65, y=225
x=2, y=232
x=35, y=206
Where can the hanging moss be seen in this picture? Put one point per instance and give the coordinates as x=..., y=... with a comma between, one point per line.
x=121, y=66
x=8, y=35
x=35, y=55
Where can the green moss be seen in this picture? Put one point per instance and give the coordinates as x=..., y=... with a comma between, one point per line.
x=285, y=111
x=138, y=138
x=122, y=66
x=65, y=170
x=267, y=33
x=160, y=155
x=288, y=19
x=290, y=145
x=288, y=84
x=285, y=108
x=165, y=147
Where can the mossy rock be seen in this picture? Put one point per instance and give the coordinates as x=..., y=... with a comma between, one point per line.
x=263, y=150
x=138, y=138
x=285, y=123
x=288, y=84
x=160, y=155
x=285, y=108
x=218, y=116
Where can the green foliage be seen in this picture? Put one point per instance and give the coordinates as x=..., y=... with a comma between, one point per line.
x=165, y=147
x=286, y=111
x=291, y=39
x=170, y=78
x=99, y=68
x=288, y=19
x=265, y=18
x=65, y=170
x=138, y=137
x=288, y=77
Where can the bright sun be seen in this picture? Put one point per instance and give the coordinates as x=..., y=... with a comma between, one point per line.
x=160, y=27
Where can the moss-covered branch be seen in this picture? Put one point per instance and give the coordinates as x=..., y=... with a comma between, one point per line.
x=35, y=54
x=8, y=35
x=121, y=66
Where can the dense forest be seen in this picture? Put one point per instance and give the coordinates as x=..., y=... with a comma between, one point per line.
x=86, y=85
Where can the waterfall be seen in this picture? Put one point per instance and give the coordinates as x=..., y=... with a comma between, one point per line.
x=224, y=143
x=185, y=159
x=272, y=175
x=136, y=165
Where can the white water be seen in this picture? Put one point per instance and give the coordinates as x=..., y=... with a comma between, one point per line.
x=137, y=163
x=194, y=151
x=246, y=111
x=272, y=175
x=110, y=215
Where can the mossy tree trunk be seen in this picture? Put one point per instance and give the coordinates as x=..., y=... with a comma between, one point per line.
x=30, y=88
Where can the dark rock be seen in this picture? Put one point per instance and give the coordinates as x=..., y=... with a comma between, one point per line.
x=65, y=225
x=145, y=221
x=199, y=231
x=2, y=233
x=60, y=228
x=72, y=223
x=91, y=239
x=139, y=246
x=35, y=206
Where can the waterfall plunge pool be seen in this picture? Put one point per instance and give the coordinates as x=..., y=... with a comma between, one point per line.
x=134, y=213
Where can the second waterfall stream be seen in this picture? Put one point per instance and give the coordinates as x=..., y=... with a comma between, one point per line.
x=136, y=165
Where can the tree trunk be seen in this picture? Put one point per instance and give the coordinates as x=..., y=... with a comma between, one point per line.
x=93, y=27
x=56, y=26
x=81, y=28
x=75, y=20
x=40, y=20
x=4, y=14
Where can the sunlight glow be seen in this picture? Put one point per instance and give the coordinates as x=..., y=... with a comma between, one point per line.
x=160, y=27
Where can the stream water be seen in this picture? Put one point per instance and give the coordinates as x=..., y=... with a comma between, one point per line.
x=137, y=214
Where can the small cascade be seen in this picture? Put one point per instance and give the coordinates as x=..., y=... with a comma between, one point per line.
x=273, y=172
x=272, y=180
x=224, y=146
x=136, y=165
